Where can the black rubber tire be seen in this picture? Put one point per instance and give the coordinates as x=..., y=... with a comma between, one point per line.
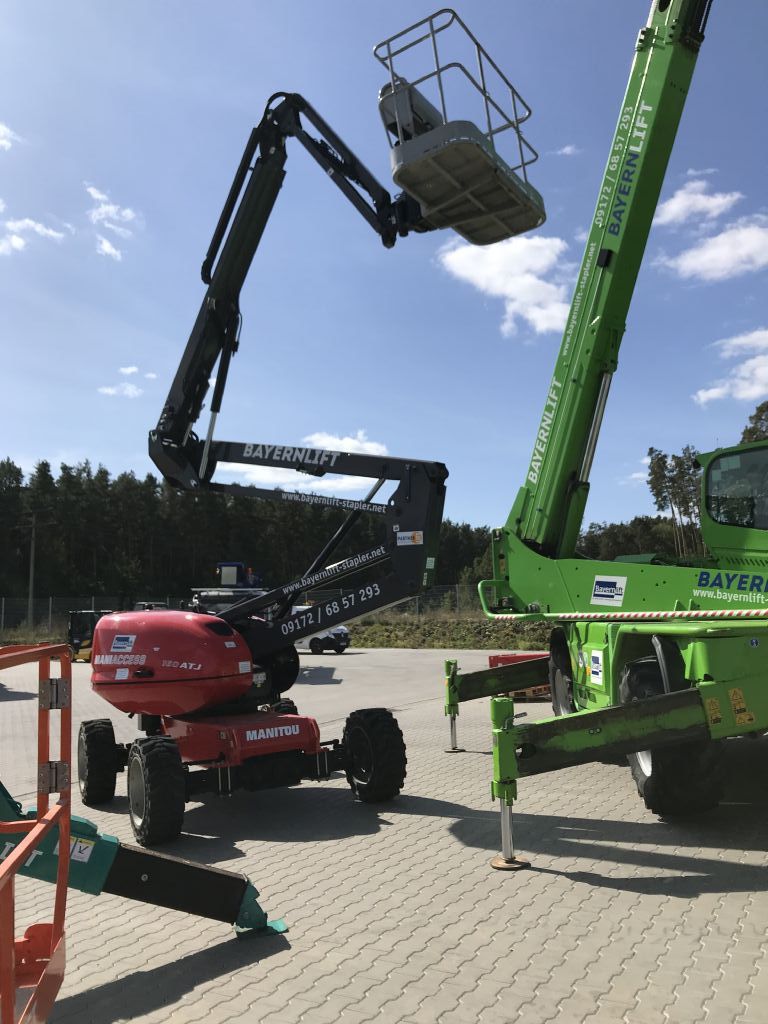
x=282, y=668
x=97, y=761
x=375, y=755
x=316, y=646
x=339, y=650
x=560, y=689
x=156, y=790
x=674, y=781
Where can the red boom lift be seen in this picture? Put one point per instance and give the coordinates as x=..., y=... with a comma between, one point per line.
x=208, y=689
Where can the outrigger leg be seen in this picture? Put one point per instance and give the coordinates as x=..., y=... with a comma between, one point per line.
x=101, y=863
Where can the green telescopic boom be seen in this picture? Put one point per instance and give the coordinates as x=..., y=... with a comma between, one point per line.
x=549, y=508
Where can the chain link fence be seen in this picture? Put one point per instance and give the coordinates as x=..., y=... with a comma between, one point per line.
x=49, y=615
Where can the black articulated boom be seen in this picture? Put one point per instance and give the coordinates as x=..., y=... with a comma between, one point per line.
x=404, y=562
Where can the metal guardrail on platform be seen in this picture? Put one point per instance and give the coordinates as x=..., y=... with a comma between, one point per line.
x=32, y=967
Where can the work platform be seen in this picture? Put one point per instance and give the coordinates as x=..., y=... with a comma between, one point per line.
x=463, y=176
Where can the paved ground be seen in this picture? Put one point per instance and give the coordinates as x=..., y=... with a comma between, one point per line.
x=394, y=913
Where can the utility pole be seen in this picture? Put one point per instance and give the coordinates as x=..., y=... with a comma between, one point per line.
x=30, y=595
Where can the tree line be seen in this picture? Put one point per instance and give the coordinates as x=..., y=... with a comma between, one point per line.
x=134, y=538
x=674, y=481
x=96, y=534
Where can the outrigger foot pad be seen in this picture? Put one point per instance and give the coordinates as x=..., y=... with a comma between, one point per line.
x=516, y=864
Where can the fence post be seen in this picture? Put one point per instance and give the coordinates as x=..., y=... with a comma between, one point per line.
x=93, y=603
x=50, y=615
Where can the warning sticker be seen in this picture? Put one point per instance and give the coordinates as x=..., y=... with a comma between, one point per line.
x=714, y=714
x=81, y=850
x=414, y=537
x=741, y=712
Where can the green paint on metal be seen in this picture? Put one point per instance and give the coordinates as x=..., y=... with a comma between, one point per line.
x=505, y=773
x=250, y=916
x=91, y=854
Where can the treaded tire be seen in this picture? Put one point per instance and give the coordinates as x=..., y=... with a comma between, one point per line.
x=156, y=790
x=96, y=761
x=375, y=752
x=316, y=646
x=674, y=781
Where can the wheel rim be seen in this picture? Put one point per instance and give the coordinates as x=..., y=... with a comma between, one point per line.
x=82, y=764
x=361, y=756
x=137, y=793
x=645, y=760
x=561, y=693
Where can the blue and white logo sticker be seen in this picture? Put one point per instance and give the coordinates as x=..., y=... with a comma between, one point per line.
x=609, y=590
x=123, y=643
x=596, y=667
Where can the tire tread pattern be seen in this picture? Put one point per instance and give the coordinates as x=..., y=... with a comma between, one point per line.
x=389, y=758
x=164, y=789
x=96, y=741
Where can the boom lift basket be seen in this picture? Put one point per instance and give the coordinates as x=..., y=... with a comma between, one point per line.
x=452, y=167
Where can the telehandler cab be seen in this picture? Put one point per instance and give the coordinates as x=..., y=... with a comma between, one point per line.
x=207, y=689
x=658, y=662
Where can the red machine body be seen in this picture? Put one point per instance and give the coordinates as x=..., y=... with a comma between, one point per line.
x=168, y=662
x=230, y=740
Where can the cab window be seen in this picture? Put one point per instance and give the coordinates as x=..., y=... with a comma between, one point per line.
x=737, y=489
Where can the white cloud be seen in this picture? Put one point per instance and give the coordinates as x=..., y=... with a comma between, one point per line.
x=741, y=248
x=569, y=150
x=110, y=216
x=8, y=137
x=267, y=476
x=692, y=172
x=27, y=224
x=639, y=476
x=359, y=443
x=105, y=248
x=122, y=390
x=13, y=239
x=695, y=200
x=108, y=213
x=748, y=380
x=151, y=376
x=128, y=370
x=516, y=271
x=119, y=231
x=11, y=243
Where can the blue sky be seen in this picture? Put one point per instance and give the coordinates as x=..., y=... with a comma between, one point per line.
x=121, y=125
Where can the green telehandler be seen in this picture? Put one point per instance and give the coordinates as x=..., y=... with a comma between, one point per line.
x=656, y=660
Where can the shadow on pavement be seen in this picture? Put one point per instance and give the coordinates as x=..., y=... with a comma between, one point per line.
x=680, y=855
x=6, y=694
x=739, y=825
x=319, y=675
x=142, y=992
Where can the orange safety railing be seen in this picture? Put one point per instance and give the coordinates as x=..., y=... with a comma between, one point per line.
x=32, y=967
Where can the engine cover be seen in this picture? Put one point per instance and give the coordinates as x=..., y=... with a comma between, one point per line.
x=168, y=662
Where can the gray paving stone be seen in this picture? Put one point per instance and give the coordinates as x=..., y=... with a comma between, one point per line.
x=395, y=914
